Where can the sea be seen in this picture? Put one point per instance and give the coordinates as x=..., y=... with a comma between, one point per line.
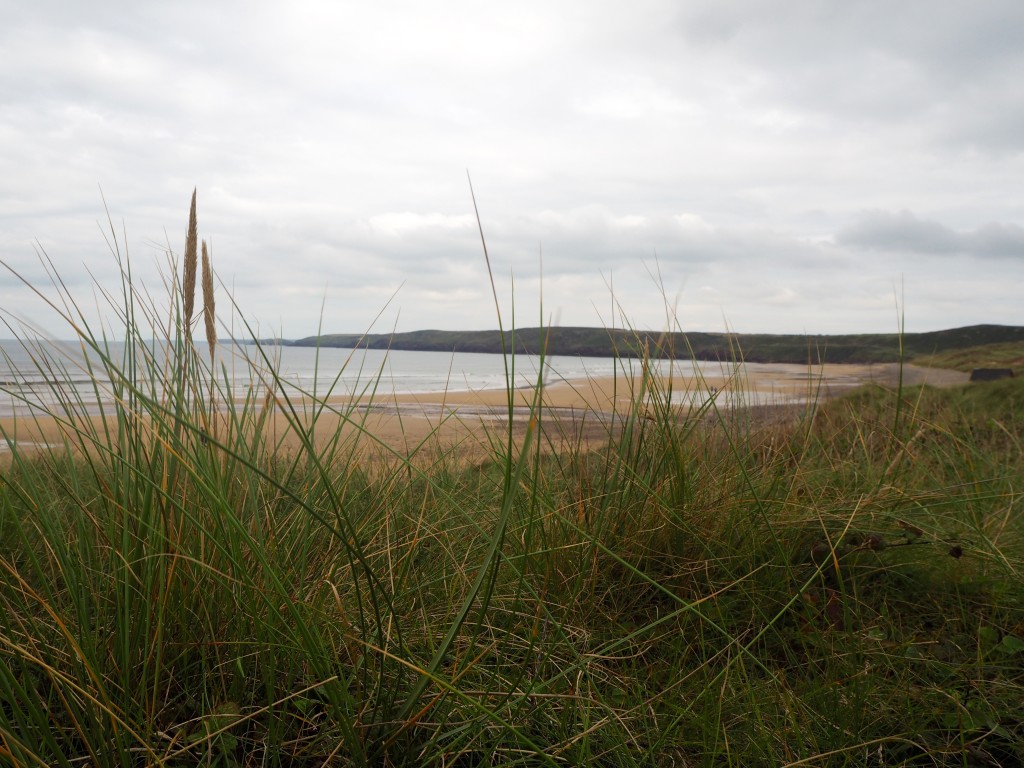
x=38, y=375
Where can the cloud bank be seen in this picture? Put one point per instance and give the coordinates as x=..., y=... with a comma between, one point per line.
x=777, y=166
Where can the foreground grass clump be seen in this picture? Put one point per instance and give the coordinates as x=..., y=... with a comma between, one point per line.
x=838, y=588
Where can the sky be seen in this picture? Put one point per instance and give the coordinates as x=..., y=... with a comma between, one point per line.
x=781, y=166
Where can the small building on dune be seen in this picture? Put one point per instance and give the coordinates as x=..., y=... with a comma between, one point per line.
x=991, y=374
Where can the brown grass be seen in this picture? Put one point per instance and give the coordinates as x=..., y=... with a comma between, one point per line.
x=208, y=303
x=189, y=286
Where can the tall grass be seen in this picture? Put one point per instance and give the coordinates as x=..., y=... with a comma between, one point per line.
x=722, y=586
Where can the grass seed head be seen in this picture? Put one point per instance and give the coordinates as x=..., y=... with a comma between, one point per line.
x=189, y=281
x=208, y=303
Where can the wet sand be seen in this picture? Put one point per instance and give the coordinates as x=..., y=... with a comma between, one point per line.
x=577, y=412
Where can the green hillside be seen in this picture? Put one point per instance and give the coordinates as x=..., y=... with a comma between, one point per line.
x=754, y=347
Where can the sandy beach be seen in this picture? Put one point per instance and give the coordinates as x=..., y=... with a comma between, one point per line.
x=419, y=425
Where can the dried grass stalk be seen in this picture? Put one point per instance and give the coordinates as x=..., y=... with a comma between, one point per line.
x=189, y=284
x=209, y=318
x=208, y=305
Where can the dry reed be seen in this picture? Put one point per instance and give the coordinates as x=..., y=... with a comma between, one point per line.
x=211, y=333
x=189, y=285
x=208, y=304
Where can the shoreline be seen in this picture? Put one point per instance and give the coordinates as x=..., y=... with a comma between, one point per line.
x=405, y=424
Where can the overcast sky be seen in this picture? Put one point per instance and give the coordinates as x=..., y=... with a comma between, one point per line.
x=766, y=165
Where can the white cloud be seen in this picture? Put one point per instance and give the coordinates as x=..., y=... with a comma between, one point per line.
x=401, y=224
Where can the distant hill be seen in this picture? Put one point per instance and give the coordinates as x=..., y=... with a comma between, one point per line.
x=754, y=347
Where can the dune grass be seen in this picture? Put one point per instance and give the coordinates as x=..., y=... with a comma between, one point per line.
x=840, y=587
x=1004, y=355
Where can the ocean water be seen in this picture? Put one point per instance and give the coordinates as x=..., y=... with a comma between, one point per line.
x=41, y=374
x=36, y=376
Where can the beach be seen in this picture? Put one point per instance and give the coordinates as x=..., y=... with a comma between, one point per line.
x=579, y=411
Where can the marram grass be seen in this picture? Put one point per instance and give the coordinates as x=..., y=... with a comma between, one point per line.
x=209, y=306
x=840, y=587
x=189, y=278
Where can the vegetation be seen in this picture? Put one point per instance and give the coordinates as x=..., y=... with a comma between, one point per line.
x=752, y=347
x=839, y=588
x=1006, y=355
